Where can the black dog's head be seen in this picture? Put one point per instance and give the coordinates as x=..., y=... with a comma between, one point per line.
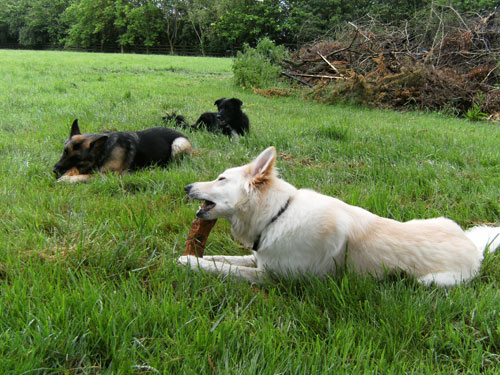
x=81, y=151
x=228, y=110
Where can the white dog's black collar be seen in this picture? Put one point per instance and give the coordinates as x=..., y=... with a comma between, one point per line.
x=256, y=244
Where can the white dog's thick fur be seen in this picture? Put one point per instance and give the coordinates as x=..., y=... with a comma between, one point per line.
x=301, y=232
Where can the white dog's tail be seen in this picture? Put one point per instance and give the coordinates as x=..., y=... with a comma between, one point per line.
x=484, y=237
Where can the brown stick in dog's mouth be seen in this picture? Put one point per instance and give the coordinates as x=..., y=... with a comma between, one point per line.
x=198, y=234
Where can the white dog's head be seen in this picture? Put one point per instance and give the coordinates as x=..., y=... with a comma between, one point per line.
x=233, y=188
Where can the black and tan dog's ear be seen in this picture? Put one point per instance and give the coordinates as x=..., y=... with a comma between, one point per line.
x=96, y=146
x=262, y=168
x=75, y=130
x=218, y=101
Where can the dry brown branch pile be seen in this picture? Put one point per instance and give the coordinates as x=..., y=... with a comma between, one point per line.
x=446, y=62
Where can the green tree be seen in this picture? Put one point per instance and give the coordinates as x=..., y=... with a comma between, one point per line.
x=201, y=15
x=43, y=23
x=479, y=6
x=12, y=18
x=92, y=23
x=140, y=22
x=121, y=23
x=174, y=15
x=247, y=21
x=34, y=23
x=215, y=25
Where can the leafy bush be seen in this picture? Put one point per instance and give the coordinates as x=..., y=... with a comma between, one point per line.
x=475, y=113
x=260, y=66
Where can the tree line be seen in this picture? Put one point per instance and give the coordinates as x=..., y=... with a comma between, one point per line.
x=217, y=27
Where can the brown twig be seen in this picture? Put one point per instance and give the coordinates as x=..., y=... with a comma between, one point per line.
x=343, y=49
x=317, y=76
x=359, y=31
x=292, y=76
x=329, y=63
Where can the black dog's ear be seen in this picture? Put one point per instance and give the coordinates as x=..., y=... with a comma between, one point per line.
x=75, y=130
x=218, y=101
x=237, y=101
x=97, y=145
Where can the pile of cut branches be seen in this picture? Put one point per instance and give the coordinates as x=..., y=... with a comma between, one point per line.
x=449, y=62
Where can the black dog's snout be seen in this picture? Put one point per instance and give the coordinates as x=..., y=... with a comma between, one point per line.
x=187, y=188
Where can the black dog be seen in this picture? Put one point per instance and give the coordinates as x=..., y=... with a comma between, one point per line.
x=229, y=120
x=85, y=154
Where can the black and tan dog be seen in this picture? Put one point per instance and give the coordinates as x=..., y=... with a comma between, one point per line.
x=229, y=120
x=85, y=154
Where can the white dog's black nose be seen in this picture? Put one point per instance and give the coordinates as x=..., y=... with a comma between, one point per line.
x=187, y=188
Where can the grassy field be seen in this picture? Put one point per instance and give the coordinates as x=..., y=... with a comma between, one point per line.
x=88, y=280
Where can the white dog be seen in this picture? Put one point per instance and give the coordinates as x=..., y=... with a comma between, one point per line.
x=298, y=232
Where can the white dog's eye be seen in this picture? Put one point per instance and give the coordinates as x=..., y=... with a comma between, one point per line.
x=221, y=178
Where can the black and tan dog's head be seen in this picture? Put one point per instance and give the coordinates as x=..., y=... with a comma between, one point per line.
x=81, y=151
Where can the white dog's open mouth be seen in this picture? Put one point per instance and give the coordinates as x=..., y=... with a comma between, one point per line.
x=205, y=207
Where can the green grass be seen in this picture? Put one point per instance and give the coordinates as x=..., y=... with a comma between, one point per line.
x=88, y=281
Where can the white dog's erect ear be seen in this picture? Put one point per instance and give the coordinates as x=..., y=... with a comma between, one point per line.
x=262, y=168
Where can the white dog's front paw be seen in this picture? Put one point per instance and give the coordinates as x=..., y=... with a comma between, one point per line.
x=188, y=260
